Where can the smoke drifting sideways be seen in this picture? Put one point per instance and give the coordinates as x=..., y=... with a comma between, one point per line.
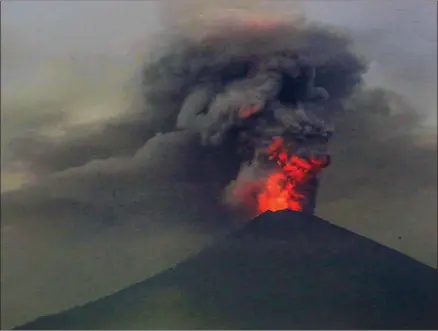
x=245, y=85
x=237, y=86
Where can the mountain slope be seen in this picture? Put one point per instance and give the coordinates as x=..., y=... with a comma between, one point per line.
x=283, y=270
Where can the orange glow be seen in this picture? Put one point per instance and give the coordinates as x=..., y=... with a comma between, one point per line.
x=281, y=189
x=246, y=112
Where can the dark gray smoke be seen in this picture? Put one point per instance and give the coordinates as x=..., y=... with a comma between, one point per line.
x=294, y=80
x=237, y=86
x=245, y=84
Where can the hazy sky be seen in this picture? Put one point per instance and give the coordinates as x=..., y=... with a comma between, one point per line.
x=86, y=231
x=403, y=33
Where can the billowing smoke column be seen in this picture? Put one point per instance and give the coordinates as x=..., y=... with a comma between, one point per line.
x=273, y=90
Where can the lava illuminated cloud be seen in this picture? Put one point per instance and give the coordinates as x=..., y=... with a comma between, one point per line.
x=285, y=188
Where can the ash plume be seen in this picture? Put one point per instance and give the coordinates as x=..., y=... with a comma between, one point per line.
x=237, y=86
x=246, y=84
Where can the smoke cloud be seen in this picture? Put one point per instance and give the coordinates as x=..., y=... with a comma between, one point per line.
x=114, y=198
x=247, y=83
x=226, y=87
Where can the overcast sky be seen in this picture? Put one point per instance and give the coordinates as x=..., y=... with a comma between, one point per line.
x=90, y=230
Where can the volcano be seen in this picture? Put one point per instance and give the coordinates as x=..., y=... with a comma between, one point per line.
x=282, y=270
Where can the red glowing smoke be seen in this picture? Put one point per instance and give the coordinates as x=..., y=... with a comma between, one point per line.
x=283, y=189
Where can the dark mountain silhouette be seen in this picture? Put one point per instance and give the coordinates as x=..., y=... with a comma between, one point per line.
x=283, y=270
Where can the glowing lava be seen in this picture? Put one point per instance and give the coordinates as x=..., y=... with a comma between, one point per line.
x=283, y=189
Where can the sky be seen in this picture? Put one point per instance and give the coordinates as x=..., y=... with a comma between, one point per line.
x=76, y=234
